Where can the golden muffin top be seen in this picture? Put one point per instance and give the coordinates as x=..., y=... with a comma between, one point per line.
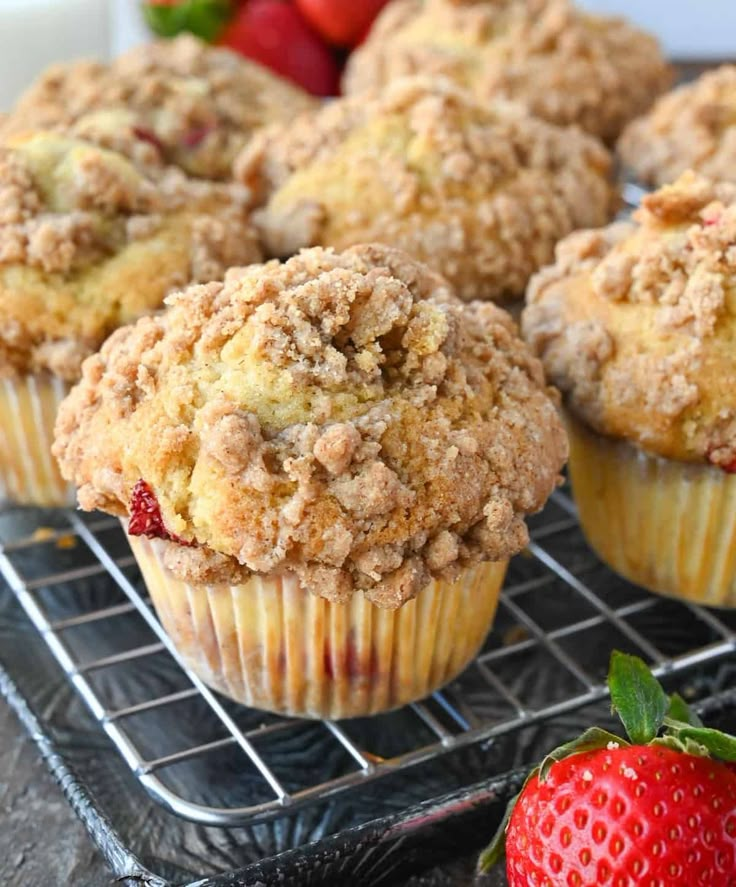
x=480, y=192
x=89, y=242
x=692, y=127
x=342, y=416
x=196, y=104
x=636, y=323
x=565, y=65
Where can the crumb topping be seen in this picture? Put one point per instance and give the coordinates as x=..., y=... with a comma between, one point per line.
x=565, y=65
x=88, y=241
x=635, y=323
x=341, y=416
x=481, y=193
x=193, y=104
x=692, y=127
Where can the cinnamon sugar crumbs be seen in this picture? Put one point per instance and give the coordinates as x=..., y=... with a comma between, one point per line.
x=89, y=241
x=49, y=192
x=692, y=127
x=564, y=64
x=480, y=192
x=178, y=100
x=634, y=322
x=341, y=416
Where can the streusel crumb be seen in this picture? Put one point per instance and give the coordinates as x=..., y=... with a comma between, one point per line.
x=342, y=416
x=194, y=105
x=692, y=127
x=635, y=323
x=480, y=192
x=89, y=242
x=565, y=65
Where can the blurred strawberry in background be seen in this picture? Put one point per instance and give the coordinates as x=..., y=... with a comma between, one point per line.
x=274, y=33
x=302, y=40
x=342, y=22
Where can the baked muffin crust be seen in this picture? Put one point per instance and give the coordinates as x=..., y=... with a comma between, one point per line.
x=692, y=127
x=341, y=415
x=196, y=104
x=480, y=192
x=565, y=65
x=89, y=242
x=635, y=323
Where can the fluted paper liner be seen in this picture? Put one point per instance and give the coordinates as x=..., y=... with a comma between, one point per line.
x=270, y=644
x=666, y=525
x=29, y=474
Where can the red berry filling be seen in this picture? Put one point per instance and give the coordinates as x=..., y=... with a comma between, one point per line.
x=194, y=137
x=145, y=516
x=728, y=467
x=146, y=135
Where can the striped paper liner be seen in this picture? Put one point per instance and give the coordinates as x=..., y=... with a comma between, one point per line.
x=29, y=474
x=271, y=645
x=666, y=525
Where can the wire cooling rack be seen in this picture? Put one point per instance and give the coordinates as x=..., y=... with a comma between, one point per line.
x=79, y=585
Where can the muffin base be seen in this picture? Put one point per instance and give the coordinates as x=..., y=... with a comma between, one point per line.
x=29, y=474
x=665, y=525
x=269, y=644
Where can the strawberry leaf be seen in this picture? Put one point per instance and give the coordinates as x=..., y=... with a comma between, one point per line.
x=495, y=851
x=593, y=738
x=205, y=18
x=720, y=745
x=679, y=710
x=678, y=745
x=637, y=697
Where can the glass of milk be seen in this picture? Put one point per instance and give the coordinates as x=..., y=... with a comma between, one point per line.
x=35, y=33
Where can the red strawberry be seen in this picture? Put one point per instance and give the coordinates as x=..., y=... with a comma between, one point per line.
x=340, y=22
x=656, y=812
x=631, y=815
x=145, y=516
x=274, y=33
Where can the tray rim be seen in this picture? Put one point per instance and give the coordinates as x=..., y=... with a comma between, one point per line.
x=390, y=830
x=99, y=827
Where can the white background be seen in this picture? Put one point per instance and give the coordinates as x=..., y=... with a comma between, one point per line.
x=34, y=33
x=688, y=29
x=697, y=29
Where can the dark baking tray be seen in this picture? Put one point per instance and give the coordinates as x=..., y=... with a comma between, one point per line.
x=409, y=824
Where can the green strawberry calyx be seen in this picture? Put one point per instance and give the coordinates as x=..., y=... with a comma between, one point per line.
x=205, y=18
x=649, y=716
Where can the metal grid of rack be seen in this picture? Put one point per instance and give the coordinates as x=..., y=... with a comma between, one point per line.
x=449, y=720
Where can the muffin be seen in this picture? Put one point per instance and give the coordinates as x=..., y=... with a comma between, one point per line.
x=565, y=65
x=481, y=193
x=692, y=127
x=635, y=323
x=324, y=466
x=87, y=243
x=196, y=104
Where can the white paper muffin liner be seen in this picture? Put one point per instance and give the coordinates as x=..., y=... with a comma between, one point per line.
x=269, y=644
x=29, y=474
x=666, y=525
